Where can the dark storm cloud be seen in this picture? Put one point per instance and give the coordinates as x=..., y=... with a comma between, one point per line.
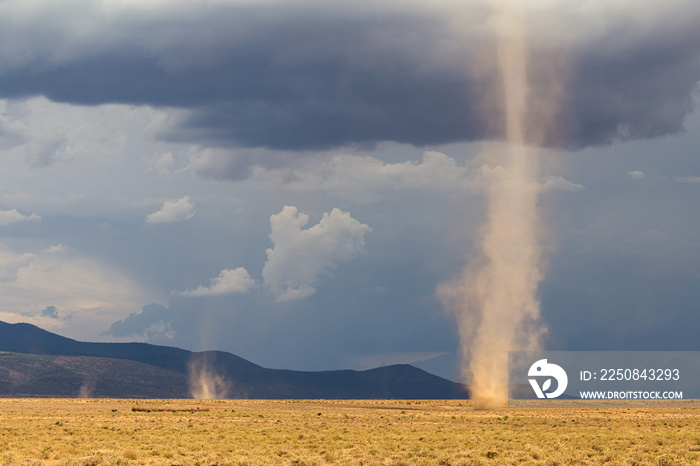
x=50, y=311
x=639, y=90
x=139, y=323
x=312, y=76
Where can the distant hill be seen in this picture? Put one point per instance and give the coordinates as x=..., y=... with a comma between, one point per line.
x=34, y=362
x=32, y=375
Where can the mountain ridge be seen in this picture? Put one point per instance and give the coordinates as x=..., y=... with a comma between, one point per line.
x=152, y=370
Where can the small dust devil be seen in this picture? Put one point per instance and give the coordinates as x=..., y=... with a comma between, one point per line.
x=204, y=382
x=495, y=300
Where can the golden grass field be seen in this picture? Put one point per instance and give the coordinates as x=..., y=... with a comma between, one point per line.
x=252, y=432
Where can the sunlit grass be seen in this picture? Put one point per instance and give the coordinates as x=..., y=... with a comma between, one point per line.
x=91, y=432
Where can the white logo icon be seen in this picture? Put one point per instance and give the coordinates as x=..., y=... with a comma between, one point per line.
x=543, y=369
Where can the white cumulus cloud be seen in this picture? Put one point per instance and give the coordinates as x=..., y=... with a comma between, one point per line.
x=8, y=217
x=636, y=174
x=300, y=256
x=232, y=281
x=365, y=178
x=551, y=183
x=90, y=293
x=45, y=133
x=173, y=211
x=11, y=265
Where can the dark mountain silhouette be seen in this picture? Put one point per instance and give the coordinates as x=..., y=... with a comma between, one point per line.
x=30, y=375
x=40, y=363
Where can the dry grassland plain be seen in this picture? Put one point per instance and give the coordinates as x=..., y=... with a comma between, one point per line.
x=391, y=432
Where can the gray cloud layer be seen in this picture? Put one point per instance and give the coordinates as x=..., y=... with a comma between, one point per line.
x=311, y=75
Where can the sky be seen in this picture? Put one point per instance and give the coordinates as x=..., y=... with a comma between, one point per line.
x=291, y=181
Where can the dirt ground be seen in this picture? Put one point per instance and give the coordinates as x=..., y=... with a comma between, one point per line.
x=318, y=432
